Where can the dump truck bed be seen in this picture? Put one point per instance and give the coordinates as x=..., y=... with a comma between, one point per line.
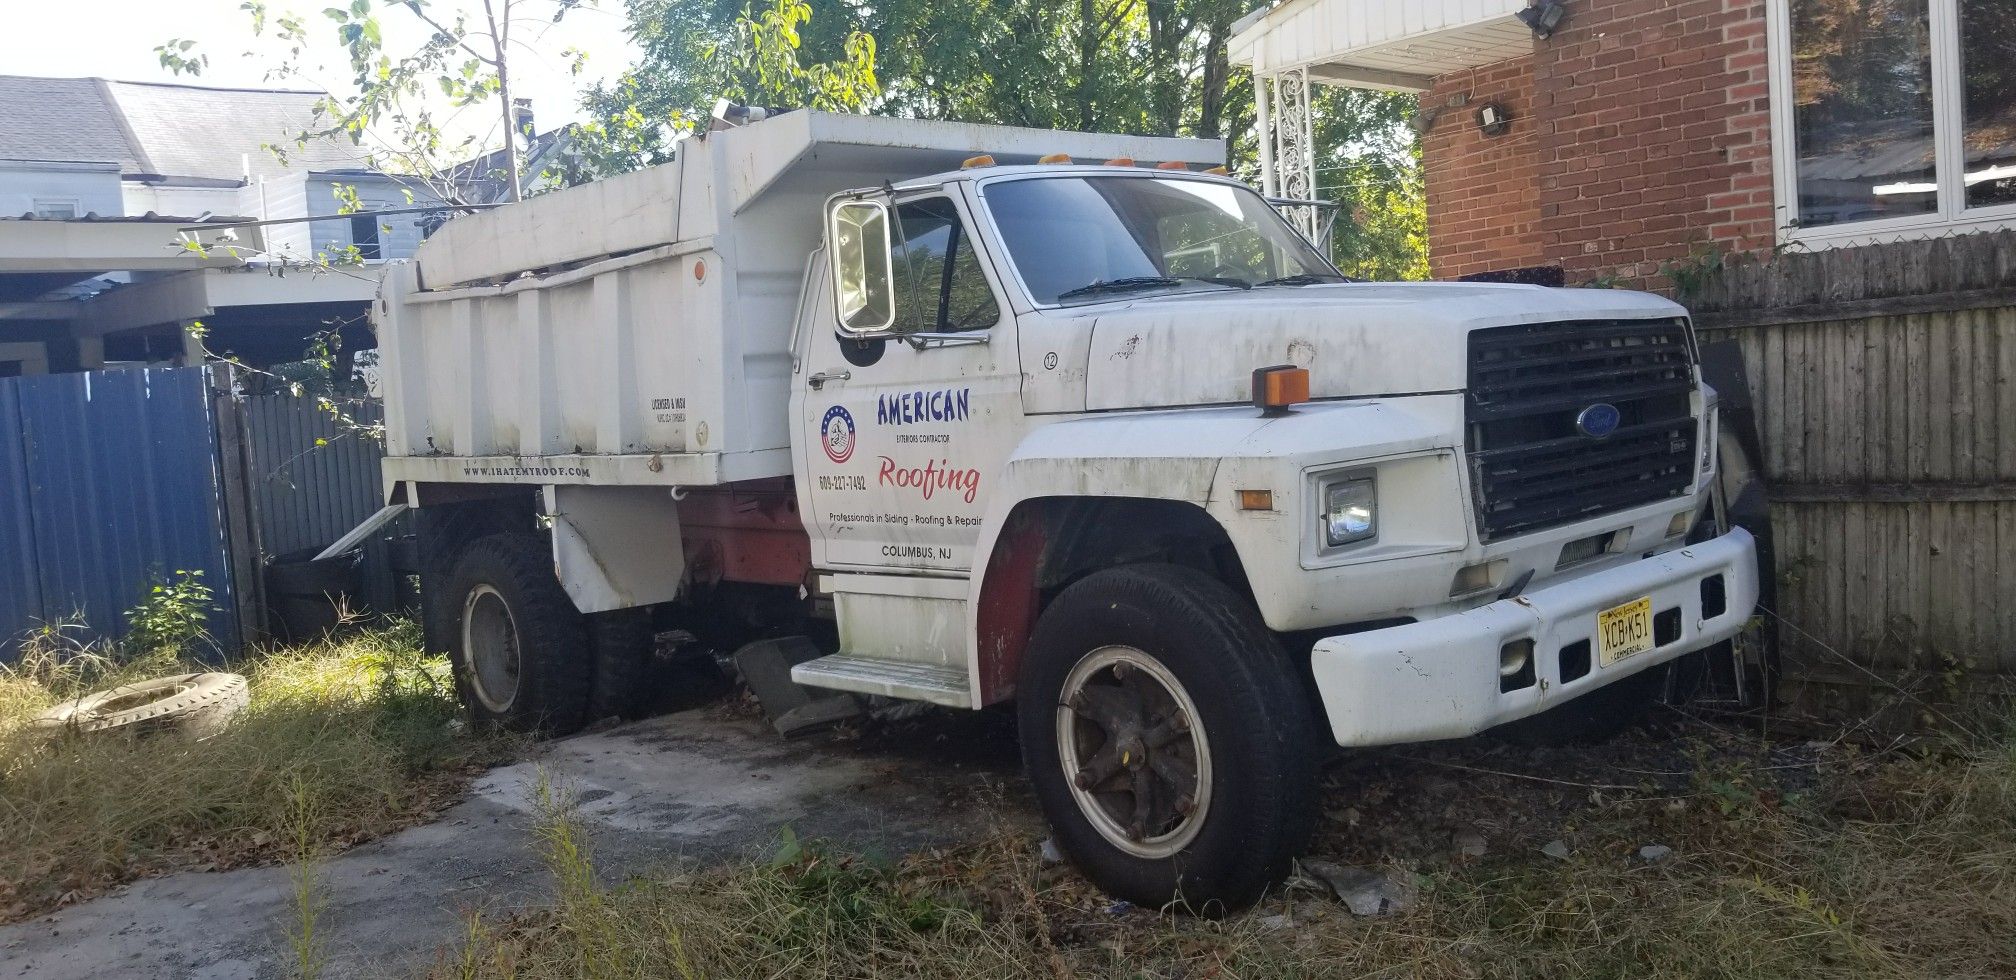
x=637, y=330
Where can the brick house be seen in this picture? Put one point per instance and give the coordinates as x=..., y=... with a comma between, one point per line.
x=1608, y=138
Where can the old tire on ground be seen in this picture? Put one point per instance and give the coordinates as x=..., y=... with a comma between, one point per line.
x=519, y=648
x=1168, y=739
x=196, y=705
x=1597, y=716
x=622, y=642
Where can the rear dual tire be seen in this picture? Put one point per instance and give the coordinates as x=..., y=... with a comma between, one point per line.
x=519, y=647
x=524, y=658
x=1169, y=739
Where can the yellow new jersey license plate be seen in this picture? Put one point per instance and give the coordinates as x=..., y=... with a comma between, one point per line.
x=1623, y=630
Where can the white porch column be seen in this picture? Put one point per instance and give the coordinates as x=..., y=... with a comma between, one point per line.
x=1264, y=135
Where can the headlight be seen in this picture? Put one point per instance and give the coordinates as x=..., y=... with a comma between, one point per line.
x=1350, y=511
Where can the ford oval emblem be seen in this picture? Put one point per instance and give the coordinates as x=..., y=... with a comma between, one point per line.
x=1598, y=420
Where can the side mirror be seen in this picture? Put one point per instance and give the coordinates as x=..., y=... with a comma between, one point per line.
x=863, y=293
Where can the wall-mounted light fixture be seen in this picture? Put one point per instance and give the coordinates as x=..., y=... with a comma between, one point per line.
x=1544, y=16
x=1424, y=120
x=1493, y=119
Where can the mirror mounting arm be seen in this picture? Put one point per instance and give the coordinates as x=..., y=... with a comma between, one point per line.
x=925, y=341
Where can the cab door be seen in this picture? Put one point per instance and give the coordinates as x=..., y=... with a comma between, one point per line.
x=905, y=431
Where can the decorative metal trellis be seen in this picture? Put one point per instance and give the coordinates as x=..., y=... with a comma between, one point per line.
x=1288, y=152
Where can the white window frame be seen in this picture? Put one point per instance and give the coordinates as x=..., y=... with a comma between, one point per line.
x=75, y=205
x=1949, y=146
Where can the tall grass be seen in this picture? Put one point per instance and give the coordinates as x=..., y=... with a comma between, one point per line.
x=360, y=733
x=1898, y=866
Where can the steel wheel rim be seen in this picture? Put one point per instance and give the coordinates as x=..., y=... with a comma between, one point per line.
x=1121, y=698
x=490, y=646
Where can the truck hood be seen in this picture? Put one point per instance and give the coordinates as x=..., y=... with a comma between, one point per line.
x=1356, y=339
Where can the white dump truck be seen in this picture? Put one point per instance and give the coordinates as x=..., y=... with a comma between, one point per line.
x=946, y=416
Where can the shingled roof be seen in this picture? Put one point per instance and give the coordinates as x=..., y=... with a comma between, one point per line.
x=62, y=119
x=165, y=131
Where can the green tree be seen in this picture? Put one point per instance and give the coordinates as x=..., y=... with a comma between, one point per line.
x=1126, y=66
x=1369, y=162
x=768, y=56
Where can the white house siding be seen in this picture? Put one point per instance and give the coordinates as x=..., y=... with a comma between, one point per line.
x=398, y=235
x=92, y=187
x=285, y=197
x=187, y=202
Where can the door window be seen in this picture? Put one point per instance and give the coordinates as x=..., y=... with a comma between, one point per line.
x=939, y=285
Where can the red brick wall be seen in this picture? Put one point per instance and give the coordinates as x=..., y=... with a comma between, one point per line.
x=1649, y=136
x=1482, y=212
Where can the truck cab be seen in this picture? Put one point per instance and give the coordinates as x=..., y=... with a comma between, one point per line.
x=1115, y=445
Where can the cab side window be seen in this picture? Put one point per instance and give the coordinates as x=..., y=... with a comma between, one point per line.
x=939, y=285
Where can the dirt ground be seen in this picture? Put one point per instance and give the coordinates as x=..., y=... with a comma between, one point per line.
x=713, y=784
x=702, y=785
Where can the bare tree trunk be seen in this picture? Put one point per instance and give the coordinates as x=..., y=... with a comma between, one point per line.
x=1165, y=39
x=501, y=37
x=1088, y=62
x=1217, y=71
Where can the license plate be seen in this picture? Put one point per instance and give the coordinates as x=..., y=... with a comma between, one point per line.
x=1623, y=630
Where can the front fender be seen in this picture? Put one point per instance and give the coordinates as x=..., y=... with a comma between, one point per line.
x=1203, y=456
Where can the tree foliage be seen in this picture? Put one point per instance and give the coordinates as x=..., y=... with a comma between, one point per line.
x=391, y=107
x=1155, y=67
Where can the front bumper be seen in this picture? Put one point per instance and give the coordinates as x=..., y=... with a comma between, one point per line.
x=1439, y=678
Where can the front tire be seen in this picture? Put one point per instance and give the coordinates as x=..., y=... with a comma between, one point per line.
x=1168, y=737
x=519, y=648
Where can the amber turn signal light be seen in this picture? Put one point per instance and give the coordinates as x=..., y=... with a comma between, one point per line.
x=1275, y=388
x=983, y=160
x=1054, y=158
x=1120, y=162
x=1172, y=165
x=1256, y=500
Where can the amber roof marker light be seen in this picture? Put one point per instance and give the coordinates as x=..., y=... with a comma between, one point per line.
x=1276, y=388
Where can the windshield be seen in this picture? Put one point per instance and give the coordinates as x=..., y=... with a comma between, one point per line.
x=1083, y=239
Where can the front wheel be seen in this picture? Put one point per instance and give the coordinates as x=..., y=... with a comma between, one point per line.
x=1169, y=741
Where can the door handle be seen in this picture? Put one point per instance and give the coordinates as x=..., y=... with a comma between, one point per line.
x=819, y=380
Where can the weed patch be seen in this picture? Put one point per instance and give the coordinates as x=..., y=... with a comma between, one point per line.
x=342, y=741
x=1846, y=865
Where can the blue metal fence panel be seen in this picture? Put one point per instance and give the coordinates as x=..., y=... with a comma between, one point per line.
x=312, y=478
x=20, y=584
x=123, y=490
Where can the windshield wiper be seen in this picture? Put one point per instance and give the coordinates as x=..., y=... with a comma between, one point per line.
x=1130, y=283
x=1305, y=279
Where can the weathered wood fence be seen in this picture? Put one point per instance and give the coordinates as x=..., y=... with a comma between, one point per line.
x=1884, y=383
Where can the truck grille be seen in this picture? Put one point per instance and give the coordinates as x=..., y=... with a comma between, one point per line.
x=1530, y=466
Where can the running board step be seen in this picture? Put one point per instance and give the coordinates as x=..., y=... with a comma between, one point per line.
x=889, y=678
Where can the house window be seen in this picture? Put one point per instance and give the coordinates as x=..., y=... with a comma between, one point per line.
x=364, y=235
x=56, y=209
x=1893, y=117
x=1988, y=100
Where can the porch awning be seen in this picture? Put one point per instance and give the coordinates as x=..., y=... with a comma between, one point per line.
x=1380, y=44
